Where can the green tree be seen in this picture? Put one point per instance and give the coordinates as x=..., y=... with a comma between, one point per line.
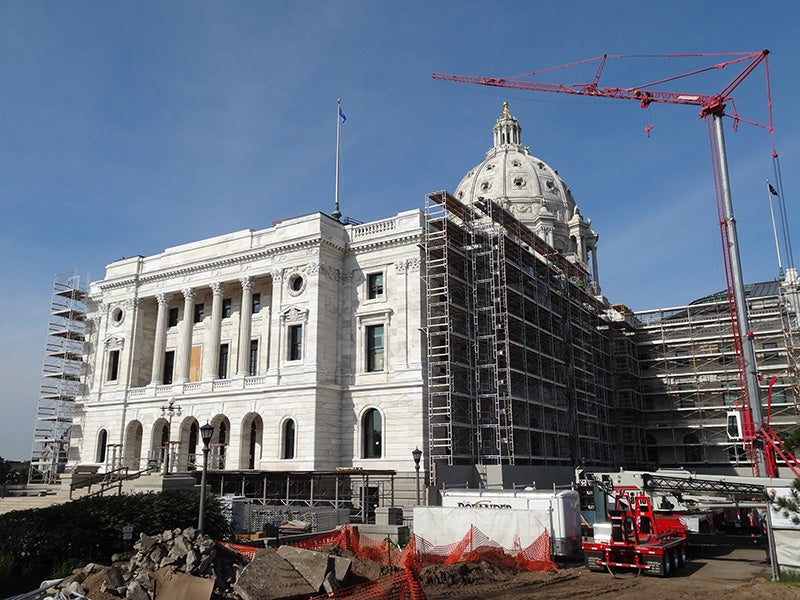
x=791, y=441
x=789, y=506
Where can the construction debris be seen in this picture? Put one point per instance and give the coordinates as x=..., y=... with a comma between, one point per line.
x=185, y=565
x=165, y=567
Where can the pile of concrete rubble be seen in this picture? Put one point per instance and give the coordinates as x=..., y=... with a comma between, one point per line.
x=185, y=565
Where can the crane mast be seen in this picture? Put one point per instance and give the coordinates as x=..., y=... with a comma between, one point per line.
x=759, y=443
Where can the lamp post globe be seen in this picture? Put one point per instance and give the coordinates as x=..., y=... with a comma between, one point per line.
x=417, y=455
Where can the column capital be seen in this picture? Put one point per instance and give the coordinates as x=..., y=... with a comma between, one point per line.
x=247, y=282
x=188, y=293
x=216, y=288
x=163, y=298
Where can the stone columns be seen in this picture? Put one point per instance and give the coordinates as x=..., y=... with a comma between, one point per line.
x=211, y=354
x=161, y=339
x=245, y=324
x=185, y=346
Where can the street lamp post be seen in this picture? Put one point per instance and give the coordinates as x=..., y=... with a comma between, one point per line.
x=206, y=431
x=169, y=410
x=417, y=454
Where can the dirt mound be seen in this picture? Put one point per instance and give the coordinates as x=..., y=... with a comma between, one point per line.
x=465, y=574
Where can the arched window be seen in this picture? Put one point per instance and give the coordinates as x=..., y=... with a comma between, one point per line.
x=692, y=451
x=251, y=459
x=288, y=440
x=372, y=434
x=102, y=441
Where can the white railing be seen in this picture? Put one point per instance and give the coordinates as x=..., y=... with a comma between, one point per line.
x=370, y=229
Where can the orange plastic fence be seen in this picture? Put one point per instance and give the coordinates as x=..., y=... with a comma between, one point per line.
x=418, y=554
x=476, y=546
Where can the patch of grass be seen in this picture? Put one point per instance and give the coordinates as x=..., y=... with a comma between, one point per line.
x=789, y=576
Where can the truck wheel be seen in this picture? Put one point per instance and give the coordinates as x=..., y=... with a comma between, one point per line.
x=681, y=551
x=676, y=560
x=666, y=564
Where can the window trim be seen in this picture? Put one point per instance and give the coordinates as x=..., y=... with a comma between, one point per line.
x=368, y=319
x=291, y=317
x=368, y=297
x=199, y=313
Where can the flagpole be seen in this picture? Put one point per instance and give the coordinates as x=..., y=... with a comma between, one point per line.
x=774, y=229
x=337, y=214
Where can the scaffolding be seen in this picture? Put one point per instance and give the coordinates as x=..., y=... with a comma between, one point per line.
x=61, y=378
x=690, y=376
x=519, y=359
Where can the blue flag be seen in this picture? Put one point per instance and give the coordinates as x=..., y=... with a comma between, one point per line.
x=341, y=115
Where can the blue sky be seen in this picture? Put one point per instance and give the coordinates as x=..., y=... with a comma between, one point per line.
x=127, y=127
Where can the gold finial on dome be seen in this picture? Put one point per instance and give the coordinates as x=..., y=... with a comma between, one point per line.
x=506, y=114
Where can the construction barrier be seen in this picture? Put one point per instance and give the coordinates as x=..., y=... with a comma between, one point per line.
x=418, y=554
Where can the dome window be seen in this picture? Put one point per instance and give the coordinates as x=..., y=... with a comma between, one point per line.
x=489, y=167
x=519, y=182
x=515, y=163
x=540, y=165
x=485, y=186
x=550, y=185
x=460, y=195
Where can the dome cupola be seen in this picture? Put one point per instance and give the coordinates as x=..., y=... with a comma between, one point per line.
x=532, y=191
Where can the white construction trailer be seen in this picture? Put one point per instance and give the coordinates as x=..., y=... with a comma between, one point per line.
x=512, y=518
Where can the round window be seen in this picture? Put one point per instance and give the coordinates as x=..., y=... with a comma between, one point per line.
x=117, y=315
x=296, y=284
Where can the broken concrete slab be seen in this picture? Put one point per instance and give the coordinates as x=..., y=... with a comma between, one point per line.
x=269, y=576
x=314, y=566
x=169, y=585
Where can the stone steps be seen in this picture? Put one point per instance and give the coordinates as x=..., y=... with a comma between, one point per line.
x=12, y=503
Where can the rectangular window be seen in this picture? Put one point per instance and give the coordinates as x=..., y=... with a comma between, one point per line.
x=199, y=312
x=222, y=372
x=374, y=335
x=113, y=365
x=295, y=350
x=195, y=360
x=374, y=285
x=169, y=366
x=172, y=320
x=227, y=308
x=256, y=303
x=253, y=357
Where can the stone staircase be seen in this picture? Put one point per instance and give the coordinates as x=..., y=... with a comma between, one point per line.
x=11, y=503
x=42, y=496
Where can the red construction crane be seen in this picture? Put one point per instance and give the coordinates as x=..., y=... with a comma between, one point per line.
x=760, y=441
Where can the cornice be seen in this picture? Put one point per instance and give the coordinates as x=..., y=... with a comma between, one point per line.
x=216, y=263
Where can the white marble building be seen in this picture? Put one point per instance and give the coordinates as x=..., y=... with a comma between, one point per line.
x=302, y=344
x=299, y=343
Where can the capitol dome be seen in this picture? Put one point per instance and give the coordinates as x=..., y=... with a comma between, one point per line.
x=533, y=192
